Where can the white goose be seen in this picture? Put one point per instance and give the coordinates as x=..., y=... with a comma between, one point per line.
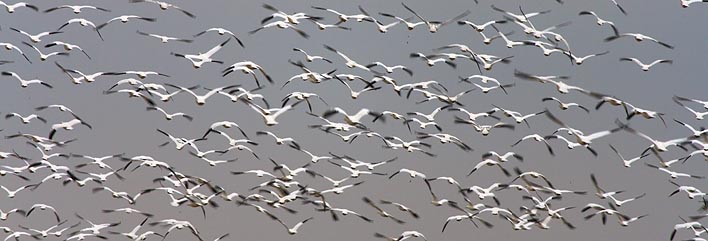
x=483, y=193
x=702, y=102
x=43, y=56
x=294, y=229
x=68, y=125
x=165, y=6
x=686, y=3
x=628, y=162
x=565, y=106
x=472, y=116
x=144, y=74
x=201, y=58
x=201, y=99
x=169, y=116
x=537, y=138
x=390, y=69
x=5, y=215
x=431, y=60
x=484, y=129
x=639, y=38
x=99, y=161
x=48, y=231
x=520, y=17
x=488, y=162
x=645, y=67
x=220, y=31
x=9, y=46
x=133, y=234
x=383, y=28
x=17, y=234
x=270, y=115
x=344, y=17
x=302, y=96
x=25, y=83
x=674, y=174
x=434, y=26
x=179, y=142
x=323, y=26
x=549, y=49
x=691, y=191
x=67, y=47
x=694, y=132
x=13, y=193
x=698, y=115
x=278, y=140
x=311, y=58
x=409, y=25
x=657, y=145
x=125, y=19
x=355, y=94
x=247, y=67
x=314, y=158
x=163, y=38
x=562, y=87
x=581, y=60
x=488, y=40
x=480, y=27
x=27, y=119
x=599, y=21
x=84, y=23
x=289, y=18
x=511, y=43
x=282, y=25
x=36, y=38
x=349, y=62
x=76, y=8
x=411, y=173
x=12, y=7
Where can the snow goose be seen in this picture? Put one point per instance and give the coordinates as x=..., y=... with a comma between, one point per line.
x=565, y=106
x=310, y=58
x=344, y=17
x=9, y=46
x=409, y=25
x=25, y=83
x=628, y=162
x=281, y=25
x=523, y=17
x=27, y=119
x=43, y=56
x=639, y=38
x=686, y=3
x=480, y=27
x=165, y=6
x=201, y=99
x=645, y=67
x=163, y=38
x=434, y=26
x=12, y=7
x=220, y=31
x=76, y=8
x=67, y=47
x=37, y=37
x=84, y=23
x=199, y=59
x=125, y=19
x=169, y=116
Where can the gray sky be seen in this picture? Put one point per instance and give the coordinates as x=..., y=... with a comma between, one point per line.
x=121, y=125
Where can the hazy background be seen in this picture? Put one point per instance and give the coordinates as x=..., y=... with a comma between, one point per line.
x=121, y=125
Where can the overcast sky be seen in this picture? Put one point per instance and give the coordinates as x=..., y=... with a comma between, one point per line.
x=122, y=125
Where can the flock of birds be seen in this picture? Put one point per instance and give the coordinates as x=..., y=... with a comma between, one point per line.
x=284, y=191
